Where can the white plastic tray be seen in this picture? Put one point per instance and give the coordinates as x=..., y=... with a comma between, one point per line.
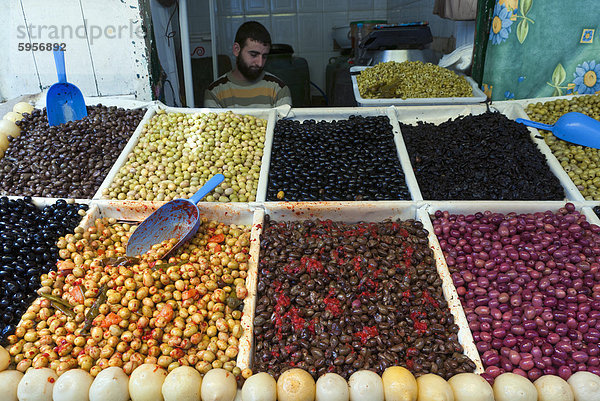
x=341, y=113
x=439, y=114
x=478, y=95
x=352, y=212
x=267, y=114
x=469, y=207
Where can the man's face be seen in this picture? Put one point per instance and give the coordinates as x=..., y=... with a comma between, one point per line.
x=250, y=59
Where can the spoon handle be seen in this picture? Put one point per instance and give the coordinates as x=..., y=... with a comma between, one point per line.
x=59, y=61
x=535, y=124
x=206, y=188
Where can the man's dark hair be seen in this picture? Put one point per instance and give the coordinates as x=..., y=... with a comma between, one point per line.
x=252, y=30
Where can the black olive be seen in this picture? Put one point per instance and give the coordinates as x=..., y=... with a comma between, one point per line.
x=27, y=248
x=486, y=156
x=337, y=160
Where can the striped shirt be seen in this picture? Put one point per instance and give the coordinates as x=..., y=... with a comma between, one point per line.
x=267, y=91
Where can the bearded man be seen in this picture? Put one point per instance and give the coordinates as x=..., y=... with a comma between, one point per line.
x=248, y=85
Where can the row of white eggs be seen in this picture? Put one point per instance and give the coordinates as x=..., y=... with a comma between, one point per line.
x=150, y=382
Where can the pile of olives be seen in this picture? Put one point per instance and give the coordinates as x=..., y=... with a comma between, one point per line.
x=580, y=162
x=411, y=79
x=27, y=249
x=177, y=153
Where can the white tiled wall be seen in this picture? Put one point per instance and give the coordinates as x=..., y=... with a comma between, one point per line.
x=306, y=24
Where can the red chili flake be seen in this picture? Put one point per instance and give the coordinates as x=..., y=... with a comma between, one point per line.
x=278, y=322
x=332, y=304
x=366, y=333
x=311, y=264
x=282, y=302
x=418, y=325
x=51, y=380
x=356, y=262
x=311, y=326
x=289, y=268
x=372, y=285
x=377, y=273
x=297, y=321
x=366, y=294
x=410, y=364
x=359, y=231
x=421, y=327
x=275, y=354
x=151, y=264
x=428, y=299
x=406, y=294
x=403, y=232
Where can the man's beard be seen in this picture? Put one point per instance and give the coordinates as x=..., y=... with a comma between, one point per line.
x=251, y=73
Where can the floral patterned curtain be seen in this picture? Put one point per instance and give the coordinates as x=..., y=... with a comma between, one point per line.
x=539, y=48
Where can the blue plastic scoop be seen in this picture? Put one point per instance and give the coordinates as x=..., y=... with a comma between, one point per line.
x=64, y=101
x=572, y=127
x=180, y=218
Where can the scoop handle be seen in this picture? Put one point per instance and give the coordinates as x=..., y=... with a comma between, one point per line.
x=59, y=61
x=206, y=188
x=535, y=124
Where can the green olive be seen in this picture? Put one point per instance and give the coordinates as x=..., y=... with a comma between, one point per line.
x=177, y=153
x=411, y=79
x=579, y=162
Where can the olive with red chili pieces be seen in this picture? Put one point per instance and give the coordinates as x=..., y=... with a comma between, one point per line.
x=539, y=314
x=336, y=297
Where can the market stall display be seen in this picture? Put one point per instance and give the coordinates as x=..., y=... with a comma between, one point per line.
x=178, y=151
x=580, y=162
x=527, y=282
x=353, y=158
x=140, y=337
x=67, y=160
